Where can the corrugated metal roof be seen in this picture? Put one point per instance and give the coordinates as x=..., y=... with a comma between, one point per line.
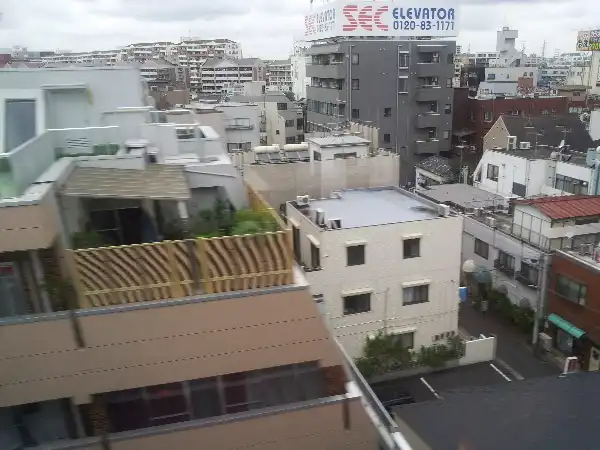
x=566, y=206
x=157, y=181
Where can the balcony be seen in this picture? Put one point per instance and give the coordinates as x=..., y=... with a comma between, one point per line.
x=428, y=93
x=428, y=120
x=334, y=70
x=433, y=69
x=427, y=147
x=504, y=269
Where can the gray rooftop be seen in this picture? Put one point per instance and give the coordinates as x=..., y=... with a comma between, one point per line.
x=573, y=157
x=378, y=206
x=333, y=141
x=462, y=195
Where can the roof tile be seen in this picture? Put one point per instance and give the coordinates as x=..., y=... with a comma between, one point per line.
x=566, y=206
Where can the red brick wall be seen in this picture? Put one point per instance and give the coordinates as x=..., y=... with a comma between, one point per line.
x=585, y=317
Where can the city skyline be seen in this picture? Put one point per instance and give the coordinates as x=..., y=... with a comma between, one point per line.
x=265, y=28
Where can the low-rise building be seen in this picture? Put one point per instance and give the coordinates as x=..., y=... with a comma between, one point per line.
x=342, y=146
x=573, y=311
x=380, y=259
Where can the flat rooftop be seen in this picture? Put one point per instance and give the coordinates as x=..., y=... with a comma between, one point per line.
x=463, y=196
x=543, y=152
x=379, y=206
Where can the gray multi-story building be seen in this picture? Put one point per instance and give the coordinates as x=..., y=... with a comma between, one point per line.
x=402, y=87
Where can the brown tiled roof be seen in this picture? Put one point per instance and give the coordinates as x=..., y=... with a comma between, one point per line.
x=566, y=206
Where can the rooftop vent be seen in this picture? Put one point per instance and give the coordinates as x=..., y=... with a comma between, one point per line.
x=302, y=200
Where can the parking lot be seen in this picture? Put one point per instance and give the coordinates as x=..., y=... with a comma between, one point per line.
x=432, y=385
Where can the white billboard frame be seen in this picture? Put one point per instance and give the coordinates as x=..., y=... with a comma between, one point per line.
x=347, y=18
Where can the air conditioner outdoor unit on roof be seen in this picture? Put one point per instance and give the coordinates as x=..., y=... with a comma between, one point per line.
x=524, y=145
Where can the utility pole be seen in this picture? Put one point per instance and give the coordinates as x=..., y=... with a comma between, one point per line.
x=540, y=306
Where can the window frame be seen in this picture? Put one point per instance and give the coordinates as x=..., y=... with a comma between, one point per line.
x=417, y=293
x=362, y=257
x=581, y=289
x=495, y=172
x=365, y=296
x=387, y=112
x=480, y=247
x=355, y=59
x=408, y=242
x=355, y=84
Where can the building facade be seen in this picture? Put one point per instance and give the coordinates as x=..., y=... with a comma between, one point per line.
x=217, y=74
x=402, y=87
x=380, y=260
x=278, y=75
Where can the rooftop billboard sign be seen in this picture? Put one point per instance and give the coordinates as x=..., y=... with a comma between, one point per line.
x=588, y=41
x=382, y=18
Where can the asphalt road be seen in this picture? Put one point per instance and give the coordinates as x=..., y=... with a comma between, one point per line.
x=513, y=352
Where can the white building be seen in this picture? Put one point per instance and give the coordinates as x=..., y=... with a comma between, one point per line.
x=505, y=80
x=380, y=259
x=299, y=79
x=338, y=147
x=217, y=75
x=278, y=75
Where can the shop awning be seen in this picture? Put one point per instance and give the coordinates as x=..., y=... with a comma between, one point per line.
x=566, y=326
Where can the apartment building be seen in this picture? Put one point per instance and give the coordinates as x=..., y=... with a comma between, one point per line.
x=216, y=74
x=298, y=73
x=278, y=75
x=380, y=259
x=402, y=87
x=99, y=57
x=572, y=320
x=475, y=115
x=202, y=346
x=281, y=120
x=162, y=75
x=508, y=242
x=145, y=51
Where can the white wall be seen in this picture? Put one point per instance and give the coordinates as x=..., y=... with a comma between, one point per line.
x=299, y=79
x=328, y=153
x=384, y=273
x=246, y=111
x=595, y=124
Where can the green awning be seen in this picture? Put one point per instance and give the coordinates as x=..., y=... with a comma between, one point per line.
x=566, y=326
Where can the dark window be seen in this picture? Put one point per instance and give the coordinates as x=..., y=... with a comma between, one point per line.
x=317, y=156
x=482, y=248
x=487, y=116
x=296, y=243
x=355, y=255
x=387, y=112
x=281, y=106
x=570, y=185
x=404, y=339
x=127, y=410
x=386, y=138
x=167, y=404
x=204, y=398
x=402, y=85
x=344, y=155
x=289, y=123
x=506, y=261
x=355, y=59
x=530, y=273
x=299, y=124
x=403, y=60
x=355, y=84
x=355, y=113
x=571, y=290
x=355, y=304
x=415, y=294
x=519, y=189
x=412, y=248
x=447, y=108
x=431, y=133
x=19, y=123
x=276, y=131
x=450, y=58
x=493, y=172
x=315, y=256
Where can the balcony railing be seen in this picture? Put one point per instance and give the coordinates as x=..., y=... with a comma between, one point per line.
x=174, y=269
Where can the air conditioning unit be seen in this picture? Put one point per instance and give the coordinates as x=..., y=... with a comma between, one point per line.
x=524, y=145
x=444, y=210
x=512, y=143
x=302, y=200
x=545, y=341
x=334, y=224
x=319, y=217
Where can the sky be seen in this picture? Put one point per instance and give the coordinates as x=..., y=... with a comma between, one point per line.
x=266, y=28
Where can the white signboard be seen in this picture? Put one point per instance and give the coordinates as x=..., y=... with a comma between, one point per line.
x=381, y=18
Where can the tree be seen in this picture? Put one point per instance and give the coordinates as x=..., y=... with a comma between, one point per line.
x=290, y=95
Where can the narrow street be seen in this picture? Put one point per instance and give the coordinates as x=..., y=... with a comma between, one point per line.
x=513, y=351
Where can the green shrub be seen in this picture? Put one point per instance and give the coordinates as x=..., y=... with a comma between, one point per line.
x=87, y=239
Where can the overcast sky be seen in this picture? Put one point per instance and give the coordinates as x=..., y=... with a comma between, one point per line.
x=266, y=28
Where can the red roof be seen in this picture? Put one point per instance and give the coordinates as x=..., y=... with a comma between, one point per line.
x=566, y=206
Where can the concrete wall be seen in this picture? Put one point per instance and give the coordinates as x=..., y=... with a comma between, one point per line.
x=384, y=275
x=328, y=153
x=479, y=350
x=158, y=342
x=248, y=111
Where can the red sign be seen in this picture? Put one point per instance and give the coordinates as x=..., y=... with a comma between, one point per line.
x=366, y=18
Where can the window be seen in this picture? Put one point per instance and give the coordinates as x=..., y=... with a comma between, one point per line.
x=185, y=133
x=290, y=140
x=276, y=131
x=431, y=133
x=355, y=255
x=356, y=304
x=355, y=59
x=493, y=172
x=296, y=243
x=281, y=106
x=415, y=294
x=210, y=397
x=571, y=290
x=20, y=123
x=412, y=248
x=402, y=85
x=355, y=113
x=317, y=156
x=315, y=256
x=506, y=261
x=570, y=185
x=447, y=108
x=386, y=138
x=406, y=340
x=487, y=116
x=355, y=84
x=289, y=123
x=530, y=273
x=299, y=124
x=446, y=134
x=348, y=155
x=403, y=60
x=450, y=58
x=519, y=189
x=491, y=76
x=482, y=248
x=387, y=112
x=448, y=82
